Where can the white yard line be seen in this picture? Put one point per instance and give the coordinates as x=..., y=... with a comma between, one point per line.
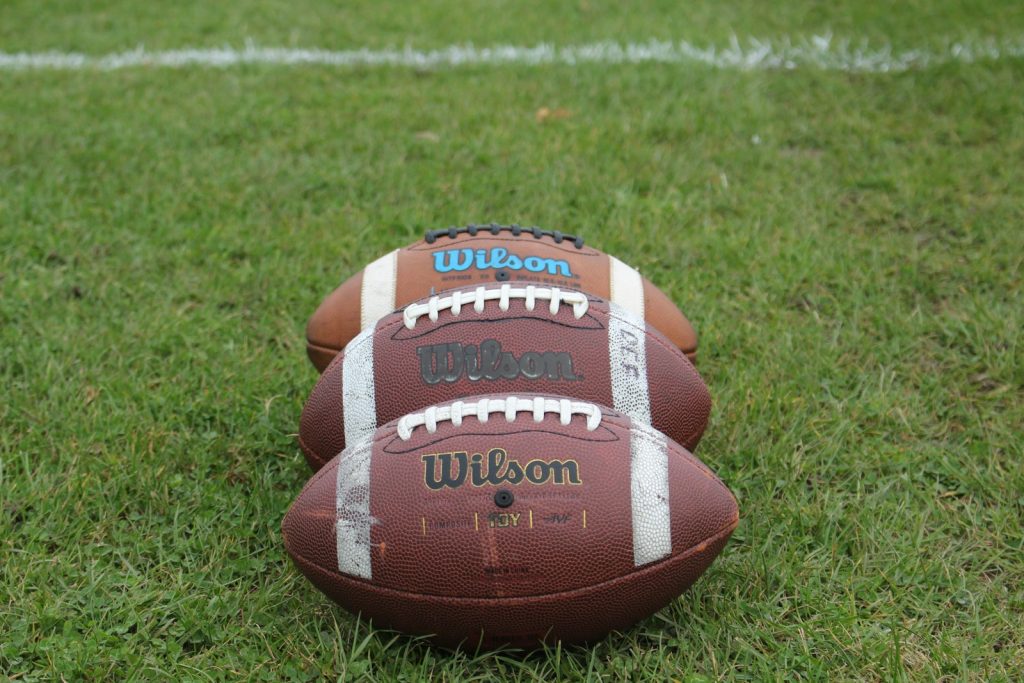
x=816, y=52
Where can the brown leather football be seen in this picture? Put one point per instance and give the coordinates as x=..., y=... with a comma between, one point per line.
x=504, y=338
x=504, y=520
x=486, y=254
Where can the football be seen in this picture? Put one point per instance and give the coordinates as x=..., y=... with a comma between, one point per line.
x=509, y=521
x=508, y=338
x=486, y=254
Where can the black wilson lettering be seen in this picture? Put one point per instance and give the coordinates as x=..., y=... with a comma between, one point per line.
x=450, y=362
x=451, y=470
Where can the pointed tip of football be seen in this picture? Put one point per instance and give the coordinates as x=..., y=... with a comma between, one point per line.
x=725, y=511
x=311, y=519
x=321, y=435
x=665, y=316
x=336, y=320
x=680, y=400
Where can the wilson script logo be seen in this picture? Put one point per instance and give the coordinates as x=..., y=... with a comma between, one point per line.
x=451, y=470
x=450, y=362
x=498, y=258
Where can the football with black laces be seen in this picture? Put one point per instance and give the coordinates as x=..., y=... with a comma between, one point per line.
x=486, y=255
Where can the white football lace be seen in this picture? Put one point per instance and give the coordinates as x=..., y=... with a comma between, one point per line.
x=503, y=294
x=512, y=405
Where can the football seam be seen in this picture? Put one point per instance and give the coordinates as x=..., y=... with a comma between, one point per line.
x=725, y=532
x=318, y=346
x=322, y=472
x=310, y=452
x=323, y=375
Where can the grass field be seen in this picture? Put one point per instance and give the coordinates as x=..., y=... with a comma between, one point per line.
x=848, y=245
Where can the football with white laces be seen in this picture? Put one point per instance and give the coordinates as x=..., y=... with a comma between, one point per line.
x=509, y=520
x=486, y=255
x=509, y=338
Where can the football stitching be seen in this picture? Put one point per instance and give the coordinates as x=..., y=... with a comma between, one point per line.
x=494, y=229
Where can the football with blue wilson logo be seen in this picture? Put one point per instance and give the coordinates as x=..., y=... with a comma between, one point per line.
x=509, y=520
x=503, y=338
x=486, y=255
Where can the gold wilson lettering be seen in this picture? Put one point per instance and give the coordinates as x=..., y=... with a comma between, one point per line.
x=451, y=470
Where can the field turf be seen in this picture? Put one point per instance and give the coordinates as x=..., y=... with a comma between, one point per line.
x=849, y=247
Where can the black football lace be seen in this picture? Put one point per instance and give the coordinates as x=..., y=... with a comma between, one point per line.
x=495, y=229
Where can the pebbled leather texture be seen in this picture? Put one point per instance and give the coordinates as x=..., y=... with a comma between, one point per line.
x=556, y=563
x=337, y=319
x=520, y=350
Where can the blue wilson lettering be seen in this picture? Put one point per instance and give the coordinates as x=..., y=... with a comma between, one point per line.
x=497, y=258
